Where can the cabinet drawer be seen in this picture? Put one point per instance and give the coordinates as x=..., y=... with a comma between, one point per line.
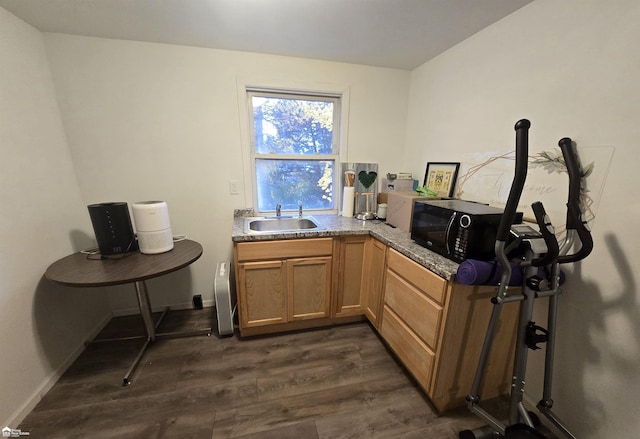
x=283, y=249
x=413, y=353
x=419, y=312
x=433, y=285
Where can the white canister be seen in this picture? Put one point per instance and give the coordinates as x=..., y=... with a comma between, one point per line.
x=382, y=211
x=153, y=227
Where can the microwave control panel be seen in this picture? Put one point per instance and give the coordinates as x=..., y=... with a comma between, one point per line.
x=462, y=238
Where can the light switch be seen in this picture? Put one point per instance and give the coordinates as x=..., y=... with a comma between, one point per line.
x=233, y=187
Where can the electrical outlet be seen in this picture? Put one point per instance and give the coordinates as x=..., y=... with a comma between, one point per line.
x=233, y=187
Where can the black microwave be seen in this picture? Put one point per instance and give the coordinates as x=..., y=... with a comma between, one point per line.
x=457, y=229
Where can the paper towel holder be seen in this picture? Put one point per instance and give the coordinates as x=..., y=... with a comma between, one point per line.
x=367, y=214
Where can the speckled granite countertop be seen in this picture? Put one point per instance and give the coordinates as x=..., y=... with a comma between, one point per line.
x=335, y=225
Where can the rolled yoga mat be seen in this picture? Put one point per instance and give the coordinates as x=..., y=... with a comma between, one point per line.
x=474, y=272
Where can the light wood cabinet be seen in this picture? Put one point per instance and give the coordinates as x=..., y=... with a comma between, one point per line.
x=463, y=332
x=349, y=254
x=408, y=347
x=279, y=282
x=309, y=283
x=263, y=294
x=373, y=278
x=437, y=328
x=422, y=314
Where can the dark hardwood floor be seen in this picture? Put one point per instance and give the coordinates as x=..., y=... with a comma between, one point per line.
x=338, y=382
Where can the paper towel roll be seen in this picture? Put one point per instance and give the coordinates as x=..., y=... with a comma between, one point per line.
x=348, y=196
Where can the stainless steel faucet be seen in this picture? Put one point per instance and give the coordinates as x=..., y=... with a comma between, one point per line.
x=300, y=209
x=278, y=213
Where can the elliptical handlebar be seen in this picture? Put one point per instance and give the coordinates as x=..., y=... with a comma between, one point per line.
x=575, y=221
x=546, y=230
x=573, y=169
x=509, y=214
x=574, y=212
x=522, y=157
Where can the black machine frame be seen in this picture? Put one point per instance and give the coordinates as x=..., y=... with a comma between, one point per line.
x=531, y=249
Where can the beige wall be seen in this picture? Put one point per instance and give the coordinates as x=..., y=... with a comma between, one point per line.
x=43, y=326
x=571, y=67
x=152, y=121
x=147, y=121
x=134, y=121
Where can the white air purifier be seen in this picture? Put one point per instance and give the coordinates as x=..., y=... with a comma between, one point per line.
x=153, y=228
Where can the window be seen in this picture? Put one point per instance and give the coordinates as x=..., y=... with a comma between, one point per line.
x=294, y=149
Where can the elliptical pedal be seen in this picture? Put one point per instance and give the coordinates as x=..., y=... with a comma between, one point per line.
x=522, y=431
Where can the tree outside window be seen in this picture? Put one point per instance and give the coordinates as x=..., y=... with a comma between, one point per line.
x=294, y=150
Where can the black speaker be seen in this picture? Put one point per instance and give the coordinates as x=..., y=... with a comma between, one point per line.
x=113, y=229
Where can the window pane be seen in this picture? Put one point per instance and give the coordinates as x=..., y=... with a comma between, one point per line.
x=286, y=182
x=292, y=126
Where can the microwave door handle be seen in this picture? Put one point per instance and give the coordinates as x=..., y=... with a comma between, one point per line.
x=448, y=230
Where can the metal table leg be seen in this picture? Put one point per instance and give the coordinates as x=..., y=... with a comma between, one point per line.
x=145, y=309
x=150, y=328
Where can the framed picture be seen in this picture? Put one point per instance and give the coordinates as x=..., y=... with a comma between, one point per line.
x=441, y=177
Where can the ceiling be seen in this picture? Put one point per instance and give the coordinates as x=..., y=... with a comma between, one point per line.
x=400, y=34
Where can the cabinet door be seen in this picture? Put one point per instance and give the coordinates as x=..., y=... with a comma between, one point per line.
x=373, y=276
x=309, y=283
x=262, y=293
x=349, y=300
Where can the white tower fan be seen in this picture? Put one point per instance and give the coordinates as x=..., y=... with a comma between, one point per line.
x=153, y=228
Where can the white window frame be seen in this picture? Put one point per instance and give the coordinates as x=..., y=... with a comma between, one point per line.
x=245, y=90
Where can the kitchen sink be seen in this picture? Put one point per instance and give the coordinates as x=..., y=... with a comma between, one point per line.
x=279, y=224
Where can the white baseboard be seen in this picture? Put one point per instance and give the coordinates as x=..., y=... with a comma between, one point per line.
x=25, y=408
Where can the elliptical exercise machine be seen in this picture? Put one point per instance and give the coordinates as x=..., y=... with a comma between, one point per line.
x=533, y=249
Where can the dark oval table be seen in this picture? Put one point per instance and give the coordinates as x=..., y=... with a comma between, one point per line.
x=83, y=270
